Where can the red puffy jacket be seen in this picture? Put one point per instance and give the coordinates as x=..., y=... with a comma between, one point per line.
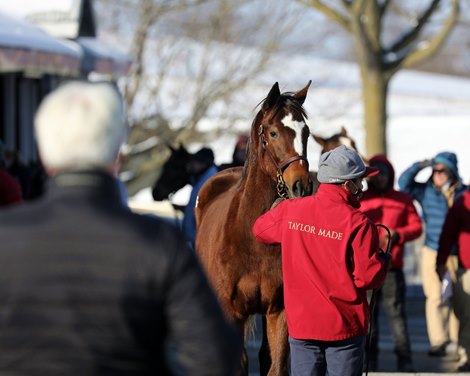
x=329, y=260
x=393, y=209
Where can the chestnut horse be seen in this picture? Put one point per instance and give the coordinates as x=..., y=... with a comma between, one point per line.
x=247, y=275
x=327, y=144
x=338, y=139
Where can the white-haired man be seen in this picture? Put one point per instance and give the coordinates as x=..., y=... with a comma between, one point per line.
x=87, y=287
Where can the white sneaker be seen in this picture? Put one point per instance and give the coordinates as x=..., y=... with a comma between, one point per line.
x=463, y=358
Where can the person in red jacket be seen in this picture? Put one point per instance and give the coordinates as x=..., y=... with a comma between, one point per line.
x=10, y=189
x=384, y=205
x=330, y=258
x=456, y=231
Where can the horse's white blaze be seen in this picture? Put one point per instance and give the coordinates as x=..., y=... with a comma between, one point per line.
x=346, y=142
x=297, y=126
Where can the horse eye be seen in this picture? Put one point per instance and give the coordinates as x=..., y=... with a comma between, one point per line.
x=273, y=134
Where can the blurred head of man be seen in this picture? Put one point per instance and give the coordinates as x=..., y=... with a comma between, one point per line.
x=200, y=161
x=81, y=126
x=239, y=153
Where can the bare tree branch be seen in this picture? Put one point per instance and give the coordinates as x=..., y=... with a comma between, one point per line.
x=357, y=6
x=383, y=8
x=150, y=12
x=378, y=64
x=414, y=31
x=428, y=48
x=329, y=12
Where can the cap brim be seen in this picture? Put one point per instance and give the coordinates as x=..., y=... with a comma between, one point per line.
x=371, y=171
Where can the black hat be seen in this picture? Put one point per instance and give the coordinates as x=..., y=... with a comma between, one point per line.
x=205, y=155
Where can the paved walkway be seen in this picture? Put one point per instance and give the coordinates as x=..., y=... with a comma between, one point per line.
x=424, y=364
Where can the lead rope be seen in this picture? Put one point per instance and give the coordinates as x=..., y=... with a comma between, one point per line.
x=281, y=186
x=373, y=299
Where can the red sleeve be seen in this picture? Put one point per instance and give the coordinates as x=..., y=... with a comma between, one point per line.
x=267, y=227
x=449, y=232
x=369, y=269
x=412, y=228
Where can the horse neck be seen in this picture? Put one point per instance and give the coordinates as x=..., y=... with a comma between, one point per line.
x=258, y=189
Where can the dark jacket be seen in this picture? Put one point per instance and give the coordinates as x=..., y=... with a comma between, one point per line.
x=433, y=203
x=89, y=288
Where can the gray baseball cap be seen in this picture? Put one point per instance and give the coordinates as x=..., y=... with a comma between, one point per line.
x=341, y=164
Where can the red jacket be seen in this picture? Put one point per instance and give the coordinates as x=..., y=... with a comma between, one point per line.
x=329, y=260
x=395, y=210
x=456, y=230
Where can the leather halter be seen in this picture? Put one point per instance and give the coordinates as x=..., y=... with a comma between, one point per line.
x=281, y=184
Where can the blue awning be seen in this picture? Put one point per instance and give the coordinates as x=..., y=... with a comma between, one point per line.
x=24, y=47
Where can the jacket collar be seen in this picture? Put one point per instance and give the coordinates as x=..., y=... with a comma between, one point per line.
x=338, y=193
x=94, y=184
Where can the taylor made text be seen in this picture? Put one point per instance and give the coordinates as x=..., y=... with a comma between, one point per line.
x=311, y=229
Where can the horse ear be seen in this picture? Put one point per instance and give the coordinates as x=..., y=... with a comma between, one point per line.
x=272, y=97
x=343, y=132
x=302, y=94
x=169, y=146
x=319, y=140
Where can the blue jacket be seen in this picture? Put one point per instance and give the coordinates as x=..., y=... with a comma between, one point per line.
x=189, y=219
x=433, y=203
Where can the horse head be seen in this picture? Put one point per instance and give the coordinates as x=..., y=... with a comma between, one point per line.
x=338, y=139
x=174, y=175
x=279, y=138
x=327, y=144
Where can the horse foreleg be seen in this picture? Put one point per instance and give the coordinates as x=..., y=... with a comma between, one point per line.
x=277, y=343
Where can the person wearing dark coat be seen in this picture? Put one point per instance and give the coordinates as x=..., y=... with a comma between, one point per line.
x=86, y=286
x=10, y=188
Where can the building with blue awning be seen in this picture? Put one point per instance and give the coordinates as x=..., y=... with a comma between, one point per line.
x=41, y=45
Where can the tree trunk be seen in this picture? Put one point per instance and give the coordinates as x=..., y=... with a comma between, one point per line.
x=375, y=88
